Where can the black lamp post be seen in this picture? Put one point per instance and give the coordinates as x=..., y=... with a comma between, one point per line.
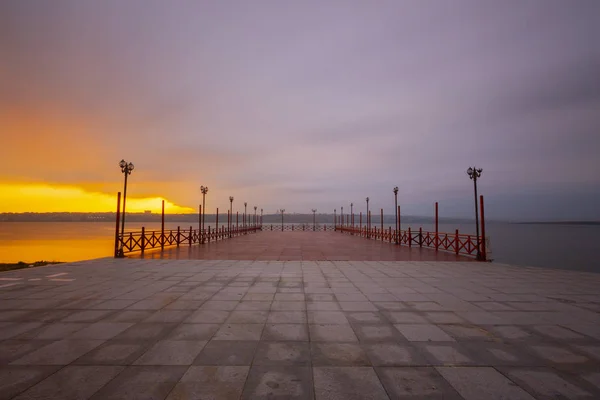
x=474, y=174
x=255, y=215
x=204, y=190
x=314, y=210
x=126, y=169
x=282, y=211
x=334, y=218
x=342, y=216
x=245, y=213
x=261, y=215
x=396, y=211
x=352, y=214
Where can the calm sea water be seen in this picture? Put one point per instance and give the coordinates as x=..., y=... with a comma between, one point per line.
x=555, y=246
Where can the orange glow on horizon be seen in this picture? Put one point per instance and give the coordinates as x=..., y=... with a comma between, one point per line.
x=19, y=198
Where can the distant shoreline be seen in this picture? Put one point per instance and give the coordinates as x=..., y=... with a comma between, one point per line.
x=592, y=223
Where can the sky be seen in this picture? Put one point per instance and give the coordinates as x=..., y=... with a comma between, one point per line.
x=301, y=105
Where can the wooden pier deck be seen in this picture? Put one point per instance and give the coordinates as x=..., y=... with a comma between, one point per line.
x=299, y=329
x=297, y=246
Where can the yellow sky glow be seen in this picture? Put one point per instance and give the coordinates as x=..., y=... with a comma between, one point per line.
x=46, y=198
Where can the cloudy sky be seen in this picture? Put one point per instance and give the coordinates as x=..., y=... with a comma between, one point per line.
x=302, y=104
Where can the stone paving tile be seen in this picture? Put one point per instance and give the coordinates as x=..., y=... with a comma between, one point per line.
x=476, y=383
x=347, y=383
x=172, y=352
x=547, y=384
x=193, y=332
x=340, y=354
x=61, y=352
x=72, y=382
x=287, y=317
x=416, y=383
x=280, y=382
x=115, y=352
x=227, y=353
x=141, y=382
x=211, y=382
x=282, y=353
x=16, y=379
x=101, y=330
x=239, y=332
x=331, y=333
x=285, y=332
x=423, y=333
x=146, y=331
x=393, y=354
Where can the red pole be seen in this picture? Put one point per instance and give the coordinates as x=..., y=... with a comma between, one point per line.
x=117, y=229
x=456, y=242
x=483, y=246
x=437, y=245
x=162, y=227
x=382, y=238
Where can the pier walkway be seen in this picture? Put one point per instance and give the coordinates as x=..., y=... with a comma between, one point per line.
x=297, y=246
x=306, y=329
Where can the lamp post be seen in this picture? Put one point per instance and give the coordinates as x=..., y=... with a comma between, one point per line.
x=352, y=214
x=261, y=215
x=282, y=211
x=474, y=174
x=396, y=210
x=204, y=190
x=334, y=218
x=314, y=210
x=230, y=214
x=126, y=169
x=342, y=216
x=245, y=212
x=255, y=215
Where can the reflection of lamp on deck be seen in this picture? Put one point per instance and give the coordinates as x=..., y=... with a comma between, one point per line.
x=314, y=210
x=204, y=190
x=126, y=169
x=474, y=174
x=282, y=211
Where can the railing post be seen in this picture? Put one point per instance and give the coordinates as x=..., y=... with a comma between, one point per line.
x=199, y=221
x=217, y=226
x=390, y=234
x=209, y=234
x=143, y=239
x=191, y=234
x=382, y=238
x=456, y=242
x=178, y=235
x=409, y=238
x=483, y=244
x=420, y=236
x=117, y=229
x=360, y=223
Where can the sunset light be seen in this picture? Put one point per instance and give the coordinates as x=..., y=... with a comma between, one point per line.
x=46, y=198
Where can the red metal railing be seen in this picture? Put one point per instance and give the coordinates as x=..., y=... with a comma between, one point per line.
x=146, y=240
x=452, y=242
x=298, y=228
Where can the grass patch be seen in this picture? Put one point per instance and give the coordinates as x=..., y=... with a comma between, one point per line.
x=22, y=265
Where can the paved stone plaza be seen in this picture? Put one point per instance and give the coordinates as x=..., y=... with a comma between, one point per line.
x=208, y=329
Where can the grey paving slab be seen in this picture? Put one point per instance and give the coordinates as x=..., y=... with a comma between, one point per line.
x=211, y=382
x=141, y=382
x=339, y=354
x=282, y=353
x=548, y=384
x=280, y=382
x=347, y=383
x=62, y=352
x=227, y=352
x=172, y=352
x=285, y=332
x=416, y=383
x=16, y=379
x=72, y=382
x=475, y=383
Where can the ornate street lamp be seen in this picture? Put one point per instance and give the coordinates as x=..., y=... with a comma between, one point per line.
x=282, y=211
x=396, y=211
x=474, y=174
x=126, y=169
x=204, y=190
x=314, y=210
